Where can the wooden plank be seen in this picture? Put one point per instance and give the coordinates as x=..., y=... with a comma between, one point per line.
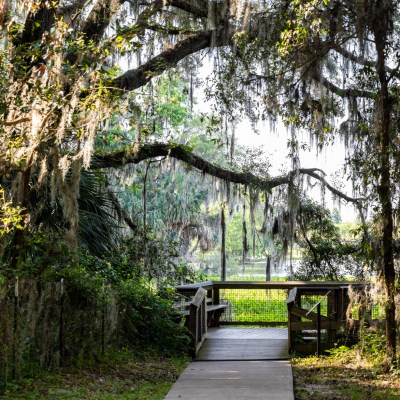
x=301, y=326
x=234, y=380
x=292, y=296
x=254, y=323
x=285, y=285
x=198, y=297
x=216, y=307
x=194, y=286
x=247, y=333
x=243, y=349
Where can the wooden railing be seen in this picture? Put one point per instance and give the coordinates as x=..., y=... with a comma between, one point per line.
x=280, y=303
x=305, y=322
x=197, y=321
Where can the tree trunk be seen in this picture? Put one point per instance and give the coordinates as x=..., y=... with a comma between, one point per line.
x=268, y=268
x=382, y=137
x=244, y=240
x=19, y=235
x=223, y=249
x=144, y=196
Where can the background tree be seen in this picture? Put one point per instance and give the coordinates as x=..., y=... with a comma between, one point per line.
x=326, y=254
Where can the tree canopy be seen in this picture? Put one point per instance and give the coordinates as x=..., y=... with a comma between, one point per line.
x=323, y=66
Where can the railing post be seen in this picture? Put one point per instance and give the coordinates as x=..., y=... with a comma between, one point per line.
x=198, y=319
x=333, y=313
x=319, y=329
x=290, y=303
x=215, y=295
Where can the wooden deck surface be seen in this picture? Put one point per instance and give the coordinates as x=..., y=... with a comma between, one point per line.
x=244, y=344
x=238, y=364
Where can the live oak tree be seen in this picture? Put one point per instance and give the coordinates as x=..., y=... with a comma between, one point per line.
x=335, y=63
x=61, y=79
x=67, y=65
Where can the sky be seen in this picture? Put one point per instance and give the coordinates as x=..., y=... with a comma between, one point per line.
x=274, y=140
x=330, y=159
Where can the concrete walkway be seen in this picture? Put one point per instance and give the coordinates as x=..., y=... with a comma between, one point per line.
x=234, y=380
x=246, y=372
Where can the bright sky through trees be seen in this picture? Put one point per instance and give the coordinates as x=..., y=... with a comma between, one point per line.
x=330, y=159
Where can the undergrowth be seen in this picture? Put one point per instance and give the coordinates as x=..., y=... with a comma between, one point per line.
x=355, y=373
x=128, y=374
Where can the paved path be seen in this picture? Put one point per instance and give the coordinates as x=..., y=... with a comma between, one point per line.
x=246, y=372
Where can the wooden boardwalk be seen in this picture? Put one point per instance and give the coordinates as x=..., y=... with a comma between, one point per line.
x=242, y=344
x=238, y=364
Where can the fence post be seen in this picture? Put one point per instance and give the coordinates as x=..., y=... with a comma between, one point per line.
x=103, y=322
x=61, y=331
x=15, y=328
x=333, y=313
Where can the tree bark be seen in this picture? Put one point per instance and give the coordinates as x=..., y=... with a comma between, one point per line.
x=268, y=268
x=223, y=248
x=244, y=240
x=383, y=142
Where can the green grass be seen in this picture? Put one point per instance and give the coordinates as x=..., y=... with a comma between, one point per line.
x=257, y=305
x=261, y=305
x=140, y=376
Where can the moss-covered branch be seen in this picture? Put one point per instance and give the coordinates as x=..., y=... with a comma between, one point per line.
x=143, y=152
x=137, y=77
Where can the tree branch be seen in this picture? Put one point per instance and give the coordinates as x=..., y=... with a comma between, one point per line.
x=150, y=150
x=135, y=78
x=344, y=93
x=99, y=18
x=198, y=10
x=357, y=59
x=170, y=31
x=16, y=121
x=142, y=21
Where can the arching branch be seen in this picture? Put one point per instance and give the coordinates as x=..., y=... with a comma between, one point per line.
x=150, y=150
x=346, y=92
x=135, y=78
x=197, y=9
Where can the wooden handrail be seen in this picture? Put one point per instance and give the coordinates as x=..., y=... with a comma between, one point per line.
x=198, y=319
x=286, y=285
x=192, y=286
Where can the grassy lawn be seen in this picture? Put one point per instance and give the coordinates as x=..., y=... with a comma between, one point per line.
x=261, y=305
x=126, y=376
x=252, y=305
x=344, y=376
